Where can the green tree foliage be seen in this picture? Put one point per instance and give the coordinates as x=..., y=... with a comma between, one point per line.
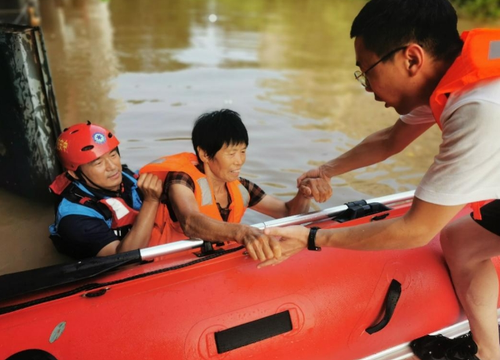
x=481, y=8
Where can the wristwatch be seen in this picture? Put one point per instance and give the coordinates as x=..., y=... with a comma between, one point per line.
x=311, y=240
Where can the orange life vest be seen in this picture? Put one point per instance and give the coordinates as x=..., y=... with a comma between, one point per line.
x=479, y=60
x=165, y=230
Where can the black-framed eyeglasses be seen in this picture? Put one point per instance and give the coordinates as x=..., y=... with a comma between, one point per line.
x=361, y=76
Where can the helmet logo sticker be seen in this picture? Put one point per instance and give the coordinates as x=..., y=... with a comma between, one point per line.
x=62, y=145
x=99, y=138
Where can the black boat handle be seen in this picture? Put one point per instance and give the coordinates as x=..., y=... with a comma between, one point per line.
x=391, y=300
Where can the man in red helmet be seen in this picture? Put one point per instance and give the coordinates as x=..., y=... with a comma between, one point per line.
x=104, y=208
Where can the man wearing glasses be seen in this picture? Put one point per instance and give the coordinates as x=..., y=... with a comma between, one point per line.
x=411, y=57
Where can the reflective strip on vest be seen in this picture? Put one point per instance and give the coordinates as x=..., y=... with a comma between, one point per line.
x=494, y=52
x=245, y=195
x=119, y=209
x=206, y=194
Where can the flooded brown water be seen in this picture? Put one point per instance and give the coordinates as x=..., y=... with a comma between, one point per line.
x=146, y=69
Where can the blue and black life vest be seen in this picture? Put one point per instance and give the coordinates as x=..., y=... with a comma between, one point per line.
x=76, y=198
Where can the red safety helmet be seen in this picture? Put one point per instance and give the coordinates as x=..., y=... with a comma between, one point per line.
x=82, y=143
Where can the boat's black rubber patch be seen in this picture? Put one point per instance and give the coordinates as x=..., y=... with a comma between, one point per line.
x=252, y=332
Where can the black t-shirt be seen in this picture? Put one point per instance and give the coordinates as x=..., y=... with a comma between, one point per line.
x=85, y=235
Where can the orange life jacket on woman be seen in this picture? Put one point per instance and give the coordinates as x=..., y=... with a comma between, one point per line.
x=165, y=229
x=479, y=60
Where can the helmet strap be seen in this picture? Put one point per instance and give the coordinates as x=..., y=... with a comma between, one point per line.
x=70, y=176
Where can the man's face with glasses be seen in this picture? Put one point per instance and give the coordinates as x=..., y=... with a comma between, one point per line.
x=361, y=76
x=388, y=79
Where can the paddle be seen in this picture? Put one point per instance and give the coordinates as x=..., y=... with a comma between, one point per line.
x=25, y=282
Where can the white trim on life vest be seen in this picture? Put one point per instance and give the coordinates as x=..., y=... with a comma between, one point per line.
x=494, y=52
x=206, y=193
x=119, y=209
x=244, y=194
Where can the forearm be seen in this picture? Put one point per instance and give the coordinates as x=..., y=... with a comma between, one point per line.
x=416, y=228
x=199, y=226
x=371, y=150
x=298, y=205
x=139, y=235
x=384, y=235
x=375, y=148
x=258, y=245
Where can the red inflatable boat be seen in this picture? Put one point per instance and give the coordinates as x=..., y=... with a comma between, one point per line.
x=200, y=302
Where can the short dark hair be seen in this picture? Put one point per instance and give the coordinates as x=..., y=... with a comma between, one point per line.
x=215, y=129
x=385, y=25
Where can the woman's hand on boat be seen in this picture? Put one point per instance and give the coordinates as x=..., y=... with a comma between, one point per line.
x=259, y=245
x=293, y=240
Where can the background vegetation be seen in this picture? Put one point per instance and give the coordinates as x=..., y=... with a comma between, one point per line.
x=478, y=8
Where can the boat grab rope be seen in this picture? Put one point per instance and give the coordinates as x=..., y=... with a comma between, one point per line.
x=92, y=286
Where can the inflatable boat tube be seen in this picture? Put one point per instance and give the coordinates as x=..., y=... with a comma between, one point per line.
x=332, y=304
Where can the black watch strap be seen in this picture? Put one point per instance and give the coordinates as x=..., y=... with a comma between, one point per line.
x=311, y=240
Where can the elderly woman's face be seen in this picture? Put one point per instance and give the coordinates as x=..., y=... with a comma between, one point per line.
x=228, y=161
